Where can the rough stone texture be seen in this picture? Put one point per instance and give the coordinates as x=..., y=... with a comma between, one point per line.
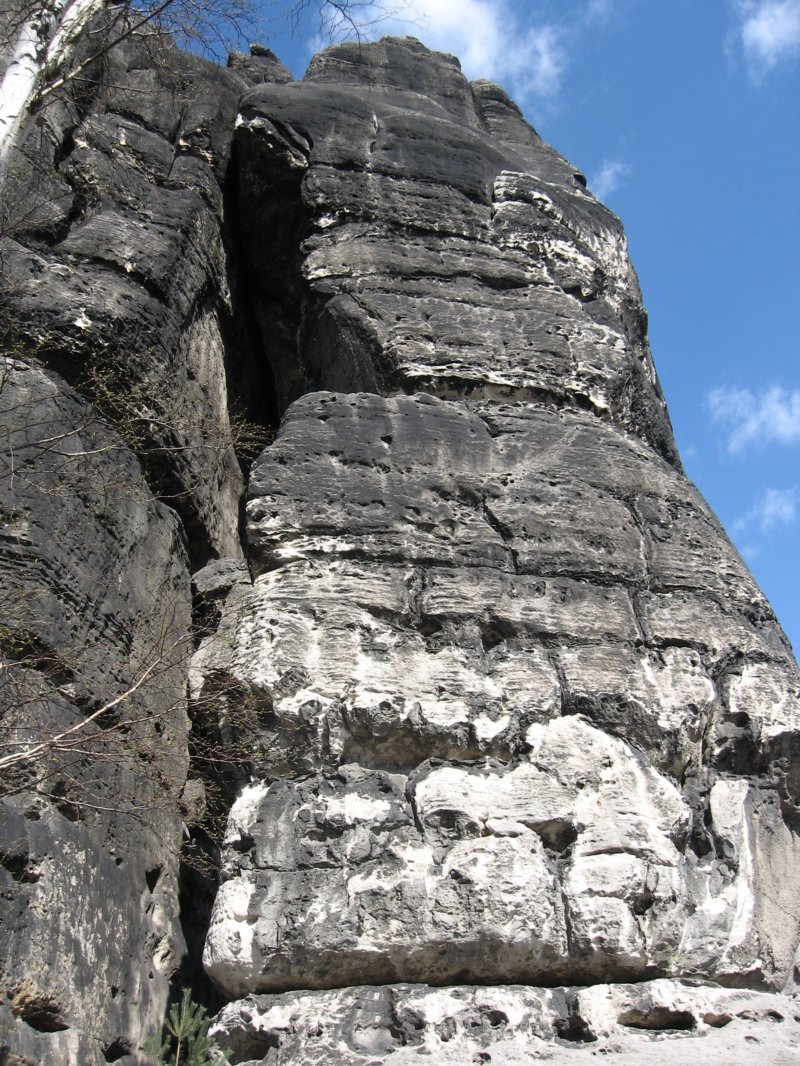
x=115, y=270
x=447, y=249
x=95, y=604
x=497, y=706
x=648, y=1024
x=521, y=714
x=494, y=761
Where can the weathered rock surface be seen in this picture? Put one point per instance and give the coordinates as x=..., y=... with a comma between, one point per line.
x=500, y=717
x=116, y=271
x=94, y=639
x=497, y=755
x=521, y=713
x=656, y=1023
x=447, y=249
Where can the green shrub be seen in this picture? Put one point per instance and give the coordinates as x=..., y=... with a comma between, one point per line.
x=185, y=1038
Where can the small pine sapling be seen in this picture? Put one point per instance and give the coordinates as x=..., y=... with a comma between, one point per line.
x=185, y=1040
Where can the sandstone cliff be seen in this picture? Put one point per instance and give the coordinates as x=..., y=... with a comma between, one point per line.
x=477, y=712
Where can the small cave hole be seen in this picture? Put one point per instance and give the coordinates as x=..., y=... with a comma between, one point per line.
x=574, y=1029
x=38, y=1010
x=245, y=1046
x=243, y=843
x=151, y=877
x=496, y=1018
x=71, y=811
x=116, y=1050
x=387, y=439
x=17, y=864
x=657, y=1018
x=716, y=1021
x=491, y=637
x=557, y=835
x=642, y=902
x=495, y=631
x=429, y=627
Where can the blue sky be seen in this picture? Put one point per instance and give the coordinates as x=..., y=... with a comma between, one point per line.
x=685, y=116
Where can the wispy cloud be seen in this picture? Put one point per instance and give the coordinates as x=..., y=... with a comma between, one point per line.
x=600, y=9
x=774, y=507
x=769, y=33
x=609, y=177
x=527, y=54
x=771, y=416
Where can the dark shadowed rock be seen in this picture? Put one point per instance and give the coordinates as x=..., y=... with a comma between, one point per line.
x=123, y=282
x=94, y=642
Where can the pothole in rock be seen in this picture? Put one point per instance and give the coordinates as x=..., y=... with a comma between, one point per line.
x=657, y=1018
x=558, y=835
x=40, y=1010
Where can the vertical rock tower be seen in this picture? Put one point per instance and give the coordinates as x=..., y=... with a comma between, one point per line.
x=506, y=734
x=526, y=720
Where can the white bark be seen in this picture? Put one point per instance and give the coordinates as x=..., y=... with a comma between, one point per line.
x=42, y=44
x=72, y=21
x=19, y=81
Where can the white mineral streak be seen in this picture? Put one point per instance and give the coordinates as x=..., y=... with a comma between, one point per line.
x=728, y=804
x=530, y=720
x=767, y=695
x=392, y=663
x=352, y=808
x=244, y=813
x=480, y=868
x=230, y=947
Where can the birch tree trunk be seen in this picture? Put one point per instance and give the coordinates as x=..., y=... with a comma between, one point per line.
x=42, y=44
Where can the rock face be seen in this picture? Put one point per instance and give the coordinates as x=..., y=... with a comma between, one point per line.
x=644, y=1024
x=507, y=734
x=95, y=637
x=491, y=761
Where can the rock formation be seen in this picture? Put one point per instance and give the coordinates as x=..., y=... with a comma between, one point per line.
x=504, y=735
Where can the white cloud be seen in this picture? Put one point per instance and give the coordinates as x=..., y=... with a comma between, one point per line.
x=529, y=55
x=770, y=32
x=774, y=507
x=771, y=416
x=608, y=178
x=600, y=9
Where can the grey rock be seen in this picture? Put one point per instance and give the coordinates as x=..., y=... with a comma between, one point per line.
x=440, y=255
x=261, y=65
x=492, y=701
x=218, y=577
x=95, y=605
x=655, y=1022
x=428, y=588
x=121, y=282
x=518, y=702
